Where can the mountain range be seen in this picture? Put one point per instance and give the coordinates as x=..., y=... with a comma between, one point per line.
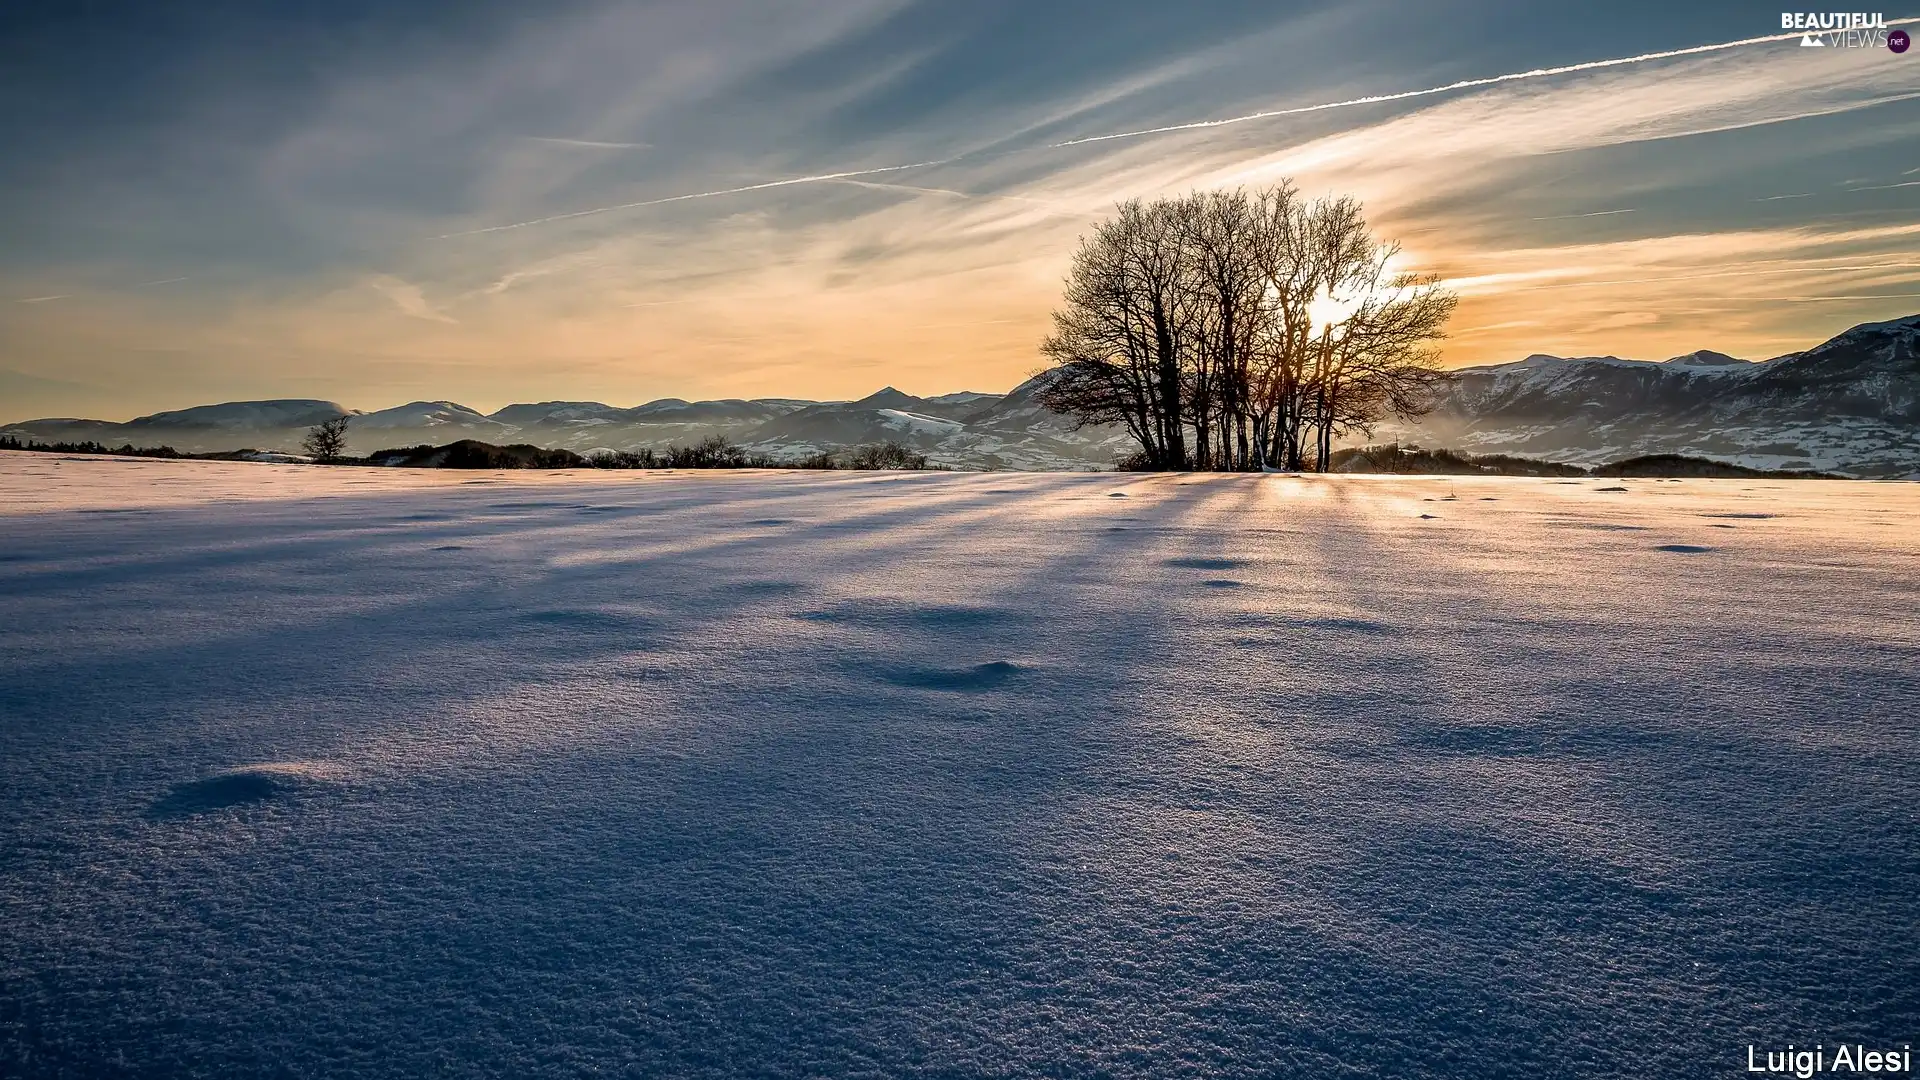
x=963, y=430
x=1850, y=405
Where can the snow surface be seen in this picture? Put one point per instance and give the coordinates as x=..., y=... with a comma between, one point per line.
x=397, y=773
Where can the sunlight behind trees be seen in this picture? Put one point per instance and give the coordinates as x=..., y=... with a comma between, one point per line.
x=1243, y=330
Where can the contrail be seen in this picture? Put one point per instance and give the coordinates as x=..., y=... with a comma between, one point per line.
x=1596, y=213
x=1371, y=99
x=1464, y=84
x=821, y=178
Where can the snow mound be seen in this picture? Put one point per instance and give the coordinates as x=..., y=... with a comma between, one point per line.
x=245, y=785
x=1205, y=562
x=966, y=680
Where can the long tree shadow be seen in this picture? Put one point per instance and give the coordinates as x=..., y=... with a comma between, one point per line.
x=1125, y=848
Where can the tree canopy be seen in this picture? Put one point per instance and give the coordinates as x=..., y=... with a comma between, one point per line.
x=1243, y=329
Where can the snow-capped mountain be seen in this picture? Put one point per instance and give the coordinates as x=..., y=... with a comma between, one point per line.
x=560, y=414
x=965, y=430
x=227, y=426
x=441, y=416
x=244, y=415
x=1851, y=404
x=974, y=431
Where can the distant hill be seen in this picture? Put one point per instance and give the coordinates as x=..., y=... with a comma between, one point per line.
x=1850, y=405
x=962, y=430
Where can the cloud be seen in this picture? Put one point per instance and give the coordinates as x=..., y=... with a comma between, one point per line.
x=1452, y=87
x=768, y=246
x=817, y=288
x=670, y=199
x=1204, y=125
x=588, y=144
x=606, y=74
x=409, y=298
x=45, y=299
x=1622, y=319
x=1595, y=213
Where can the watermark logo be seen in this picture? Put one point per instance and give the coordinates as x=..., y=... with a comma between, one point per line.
x=1898, y=41
x=1842, y=30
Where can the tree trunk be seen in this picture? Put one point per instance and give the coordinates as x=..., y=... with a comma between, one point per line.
x=1176, y=441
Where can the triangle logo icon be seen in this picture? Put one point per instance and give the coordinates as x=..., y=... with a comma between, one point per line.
x=1808, y=41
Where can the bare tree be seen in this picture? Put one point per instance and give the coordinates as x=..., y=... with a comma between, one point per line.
x=1105, y=345
x=1382, y=364
x=327, y=442
x=1224, y=233
x=1265, y=326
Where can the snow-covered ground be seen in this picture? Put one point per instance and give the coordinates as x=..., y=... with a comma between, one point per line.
x=330, y=772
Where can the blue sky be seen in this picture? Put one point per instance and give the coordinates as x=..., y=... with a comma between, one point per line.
x=223, y=200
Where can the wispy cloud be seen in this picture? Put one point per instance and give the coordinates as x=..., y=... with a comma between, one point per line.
x=1595, y=213
x=913, y=189
x=716, y=193
x=409, y=298
x=45, y=299
x=1452, y=87
x=1191, y=126
x=852, y=274
x=587, y=144
x=759, y=266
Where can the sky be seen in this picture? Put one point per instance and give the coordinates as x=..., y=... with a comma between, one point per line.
x=492, y=202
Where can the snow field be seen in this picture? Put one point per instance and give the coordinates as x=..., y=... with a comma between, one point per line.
x=401, y=773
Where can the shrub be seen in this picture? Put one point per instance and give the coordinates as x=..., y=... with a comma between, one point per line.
x=886, y=455
x=824, y=459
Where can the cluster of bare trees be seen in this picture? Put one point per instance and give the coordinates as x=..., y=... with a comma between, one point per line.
x=1243, y=330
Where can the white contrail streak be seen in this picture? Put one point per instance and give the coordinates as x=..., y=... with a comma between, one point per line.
x=1596, y=213
x=1464, y=84
x=1372, y=99
x=820, y=179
